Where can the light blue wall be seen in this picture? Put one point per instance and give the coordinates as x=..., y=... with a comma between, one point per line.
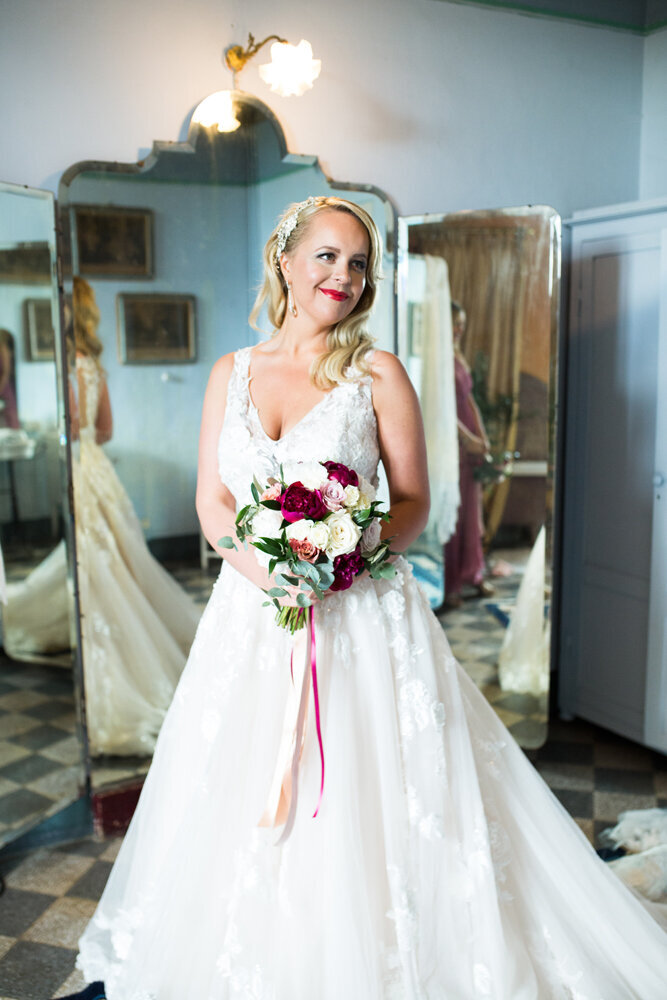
x=200, y=249
x=653, y=178
x=442, y=105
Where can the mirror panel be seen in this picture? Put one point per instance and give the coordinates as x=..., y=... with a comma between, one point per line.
x=502, y=268
x=172, y=250
x=41, y=748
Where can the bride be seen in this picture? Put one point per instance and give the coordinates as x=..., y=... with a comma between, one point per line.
x=439, y=865
x=137, y=624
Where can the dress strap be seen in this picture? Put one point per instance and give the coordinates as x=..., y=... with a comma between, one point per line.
x=238, y=383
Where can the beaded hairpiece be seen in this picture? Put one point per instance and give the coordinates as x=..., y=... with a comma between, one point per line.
x=288, y=226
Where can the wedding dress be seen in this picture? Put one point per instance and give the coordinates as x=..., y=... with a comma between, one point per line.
x=137, y=624
x=439, y=866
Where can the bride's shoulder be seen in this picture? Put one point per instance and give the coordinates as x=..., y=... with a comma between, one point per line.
x=224, y=366
x=391, y=385
x=386, y=369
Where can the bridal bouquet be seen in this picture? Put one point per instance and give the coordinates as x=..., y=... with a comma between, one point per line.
x=315, y=527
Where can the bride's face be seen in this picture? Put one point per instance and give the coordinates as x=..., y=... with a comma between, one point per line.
x=327, y=269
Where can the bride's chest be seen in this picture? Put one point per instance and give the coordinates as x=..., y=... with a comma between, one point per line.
x=340, y=427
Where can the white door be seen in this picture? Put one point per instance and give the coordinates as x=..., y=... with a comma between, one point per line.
x=656, y=677
x=609, y=485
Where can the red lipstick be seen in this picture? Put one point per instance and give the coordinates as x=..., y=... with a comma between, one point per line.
x=337, y=296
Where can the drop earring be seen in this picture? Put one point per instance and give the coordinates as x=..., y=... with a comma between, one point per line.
x=290, y=300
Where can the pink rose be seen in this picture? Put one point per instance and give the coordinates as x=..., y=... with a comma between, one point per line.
x=297, y=502
x=304, y=550
x=333, y=494
x=343, y=473
x=272, y=493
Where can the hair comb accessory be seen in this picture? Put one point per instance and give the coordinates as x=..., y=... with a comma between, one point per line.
x=289, y=225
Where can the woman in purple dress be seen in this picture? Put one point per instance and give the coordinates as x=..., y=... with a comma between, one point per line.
x=464, y=558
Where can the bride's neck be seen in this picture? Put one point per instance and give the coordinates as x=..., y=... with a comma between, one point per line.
x=300, y=339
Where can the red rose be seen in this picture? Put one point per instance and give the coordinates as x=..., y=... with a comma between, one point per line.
x=344, y=475
x=297, y=502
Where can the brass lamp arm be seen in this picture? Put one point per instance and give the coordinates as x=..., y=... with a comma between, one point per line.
x=236, y=56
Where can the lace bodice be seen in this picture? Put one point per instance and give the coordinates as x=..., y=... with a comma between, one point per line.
x=90, y=380
x=340, y=428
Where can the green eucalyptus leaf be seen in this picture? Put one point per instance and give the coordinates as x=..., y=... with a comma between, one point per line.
x=226, y=542
x=277, y=592
x=303, y=601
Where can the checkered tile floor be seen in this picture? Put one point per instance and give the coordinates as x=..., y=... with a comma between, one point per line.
x=40, y=757
x=51, y=894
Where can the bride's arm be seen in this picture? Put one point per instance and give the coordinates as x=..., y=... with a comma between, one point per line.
x=402, y=450
x=216, y=508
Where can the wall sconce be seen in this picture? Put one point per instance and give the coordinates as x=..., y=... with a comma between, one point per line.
x=292, y=69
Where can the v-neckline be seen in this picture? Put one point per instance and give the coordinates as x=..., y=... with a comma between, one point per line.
x=301, y=420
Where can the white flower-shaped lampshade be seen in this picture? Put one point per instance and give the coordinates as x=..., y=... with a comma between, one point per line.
x=217, y=110
x=292, y=69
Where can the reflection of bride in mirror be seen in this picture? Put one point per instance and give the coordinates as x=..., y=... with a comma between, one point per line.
x=463, y=556
x=137, y=623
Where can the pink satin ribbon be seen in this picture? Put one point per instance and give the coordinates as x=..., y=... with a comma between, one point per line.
x=291, y=779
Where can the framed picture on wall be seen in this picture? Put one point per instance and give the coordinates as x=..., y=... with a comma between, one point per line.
x=156, y=329
x=39, y=333
x=113, y=242
x=26, y=264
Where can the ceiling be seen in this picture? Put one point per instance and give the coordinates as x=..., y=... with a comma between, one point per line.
x=638, y=16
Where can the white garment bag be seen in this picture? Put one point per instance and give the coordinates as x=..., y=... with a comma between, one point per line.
x=431, y=369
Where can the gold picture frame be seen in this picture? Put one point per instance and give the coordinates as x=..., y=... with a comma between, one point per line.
x=113, y=242
x=156, y=329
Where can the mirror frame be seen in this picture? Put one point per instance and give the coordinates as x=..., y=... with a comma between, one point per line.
x=113, y=805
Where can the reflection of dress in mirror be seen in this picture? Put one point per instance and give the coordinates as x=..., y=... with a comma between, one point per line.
x=439, y=864
x=137, y=623
x=463, y=554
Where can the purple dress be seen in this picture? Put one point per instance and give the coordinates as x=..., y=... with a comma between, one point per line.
x=464, y=558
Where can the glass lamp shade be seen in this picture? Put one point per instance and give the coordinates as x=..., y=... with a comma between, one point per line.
x=217, y=110
x=292, y=69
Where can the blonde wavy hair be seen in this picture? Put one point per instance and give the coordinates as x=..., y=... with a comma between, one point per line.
x=349, y=341
x=85, y=320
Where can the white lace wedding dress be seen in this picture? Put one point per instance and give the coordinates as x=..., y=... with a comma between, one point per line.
x=440, y=866
x=137, y=623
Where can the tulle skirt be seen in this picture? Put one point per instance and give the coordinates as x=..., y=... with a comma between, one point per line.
x=137, y=624
x=439, y=867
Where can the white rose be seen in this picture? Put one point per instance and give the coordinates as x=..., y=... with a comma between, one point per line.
x=351, y=496
x=318, y=534
x=367, y=493
x=344, y=534
x=311, y=474
x=266, y=523
x=371, y=536
x=299, y=530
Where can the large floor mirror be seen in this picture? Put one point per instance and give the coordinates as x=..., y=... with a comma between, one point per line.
x=478, y=314
x=163, y=260
x=160, y=263
x=42, y=749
